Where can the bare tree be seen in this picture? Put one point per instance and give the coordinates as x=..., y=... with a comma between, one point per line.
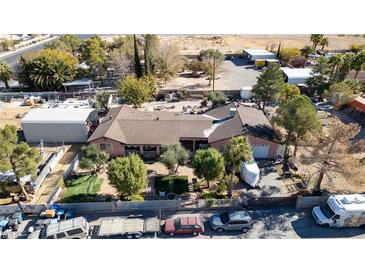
x=169, y=61
x=333, y=154
x=120, y=62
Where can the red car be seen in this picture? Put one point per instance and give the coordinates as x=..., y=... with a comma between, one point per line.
x=184, y=225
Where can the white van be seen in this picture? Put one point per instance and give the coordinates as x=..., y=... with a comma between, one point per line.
x=75, y=228
x=341, y=211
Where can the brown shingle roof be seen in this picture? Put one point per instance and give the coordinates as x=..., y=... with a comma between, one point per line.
x=131, y=126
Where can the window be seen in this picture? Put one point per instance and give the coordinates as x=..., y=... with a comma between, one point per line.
x=238, y=222
x=221, y=149
x=61, y=235
x=106, y=146
x=75, y=231
x=50, y=237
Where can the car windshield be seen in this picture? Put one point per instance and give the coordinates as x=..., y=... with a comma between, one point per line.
x=177, y=223
x=327, y=211
x=224, y=217
x=42, y=234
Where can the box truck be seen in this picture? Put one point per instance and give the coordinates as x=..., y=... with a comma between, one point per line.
x=341, y=211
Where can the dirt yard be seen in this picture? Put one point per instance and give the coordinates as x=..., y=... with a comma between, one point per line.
x=11, y=113
x=192, y=44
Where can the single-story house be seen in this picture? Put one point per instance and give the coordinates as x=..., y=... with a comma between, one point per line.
x=125, y=130
x=59, y=125
x=250, y=55
x=358, y=104
x=297, y=76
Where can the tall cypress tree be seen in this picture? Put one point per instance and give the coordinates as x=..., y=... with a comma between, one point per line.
x=147, y=60
x=137, y=61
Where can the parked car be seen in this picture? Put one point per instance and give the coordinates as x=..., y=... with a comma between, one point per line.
x=235, y=220
x=76, y=228
x=184, y=225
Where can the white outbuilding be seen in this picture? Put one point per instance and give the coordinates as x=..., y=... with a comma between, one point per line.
x=246, y=93
x=59, y=125
x=297, y=76
x=250, y=55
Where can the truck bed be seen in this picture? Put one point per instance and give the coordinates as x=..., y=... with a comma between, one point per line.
x=111, y=226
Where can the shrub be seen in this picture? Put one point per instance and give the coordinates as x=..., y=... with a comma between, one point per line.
x=211, y=195
x=136, y=197
x=174, y=184
x=287, y=53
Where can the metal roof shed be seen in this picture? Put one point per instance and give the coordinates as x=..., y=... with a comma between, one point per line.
x=297, y=75
x=255, y=54
x=57, y=125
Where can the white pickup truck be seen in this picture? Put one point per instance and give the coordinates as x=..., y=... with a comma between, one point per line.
x=130, y=227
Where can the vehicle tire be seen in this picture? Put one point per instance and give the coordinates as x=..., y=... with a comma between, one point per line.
x=137, y=236
x=129, y=236
x=244, y=230
x=171, y=234
x=362, y=226
x=220, y=230
x=76, y=238
x=325, y=225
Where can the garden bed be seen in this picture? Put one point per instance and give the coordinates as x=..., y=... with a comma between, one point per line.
x=172, y=184
x=81, y=189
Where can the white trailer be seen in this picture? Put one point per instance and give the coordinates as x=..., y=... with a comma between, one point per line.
x=341, y=211
x=130, y=227
x=246, y=93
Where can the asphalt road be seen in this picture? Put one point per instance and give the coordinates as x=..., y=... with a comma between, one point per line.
x=278, y=223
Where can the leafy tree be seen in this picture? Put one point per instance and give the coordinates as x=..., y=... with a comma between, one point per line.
x=123, y=44
x=5, y=73
x=344, y=68
x=95, y=55
x=217, y=98
x=169, y=61
x=299, y=118
x=128, y=175
x=288, y=53
x=174, y=156
x=287, y=92
x=151, y=84
x=212, y=59
x=6, y=45
x=17, y=157
x=209, y=164
x=298, y=61
x=237, y=150
x=135, y=91
x=73, y=42
x=317, y=82
x=59, y=45
x=92, y=158
x=196, y=66
x=47, y=69
x=102, y=99
x=316, y=39
x=358, y=62
x=355, y=48
x=137, y=61
x=268, y=85
x=306, y=51
x=332, y=154
x=339, y=94
x=147, y=54
x=335, y=61
x=324, y=42
x=354, y=84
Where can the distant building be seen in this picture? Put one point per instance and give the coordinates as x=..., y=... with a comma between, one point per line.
x=59, y=125
x=297, y=76
x=251, y=55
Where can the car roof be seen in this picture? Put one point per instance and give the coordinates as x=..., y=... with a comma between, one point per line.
x=238, y=215
x=189, y=220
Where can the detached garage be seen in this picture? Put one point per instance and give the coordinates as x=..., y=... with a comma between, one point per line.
x=59, y=125
x=297, y=76
x=250, y=55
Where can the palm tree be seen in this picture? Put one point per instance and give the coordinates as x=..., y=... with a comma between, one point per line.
x=358, y=63
x=5, y=73
x=335, y=61
x=323, y=43
x=305, y=51
x=316, y=39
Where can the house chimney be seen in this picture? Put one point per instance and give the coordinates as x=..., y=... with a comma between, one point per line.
x=232, y=112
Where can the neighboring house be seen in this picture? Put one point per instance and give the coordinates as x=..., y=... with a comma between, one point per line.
x=59, y=125
x=297, y=76
x=251, y=55
x=125, y=130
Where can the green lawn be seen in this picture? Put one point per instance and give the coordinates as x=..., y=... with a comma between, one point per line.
x=81, y=189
